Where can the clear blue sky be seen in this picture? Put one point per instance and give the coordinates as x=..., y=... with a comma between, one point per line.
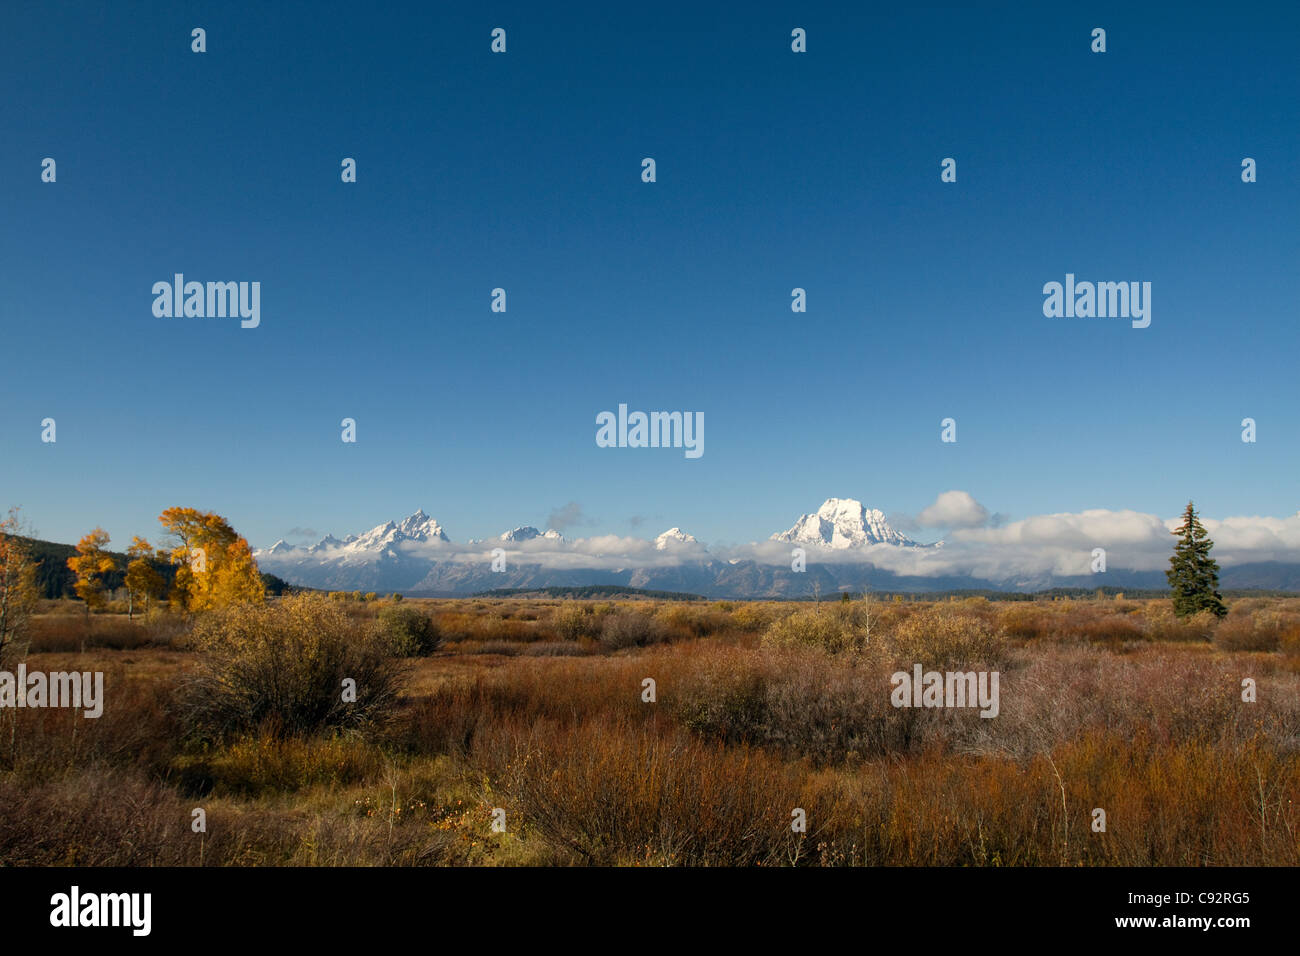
x=522, y=170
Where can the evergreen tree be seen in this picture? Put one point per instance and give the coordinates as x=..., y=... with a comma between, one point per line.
x=1193, y=574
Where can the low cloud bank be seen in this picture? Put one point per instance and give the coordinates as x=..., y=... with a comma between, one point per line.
x=975, y=545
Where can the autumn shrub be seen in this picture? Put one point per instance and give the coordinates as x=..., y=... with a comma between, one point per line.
x=803, y=704
x=693, y=620
x=1169, y=696
x=628, y=628
x=556, y=649
x=56, y=633
x=1289, y=643
x=1091, y=621
x=165, y=627
x=731, y=706
x=485, y=625
x=830, y=627
x=256, y=765
x=942, y=636
x=1254, y=626
x=292, y=667
x=1186, y=804
x=137, y=726
x=93, y=816
x=750, y=618
x=1025, y=621
x=573, y=620
x=885, y=617
x=1161, y=623
x=503, y=648
x=1100, y=626
x=407, y=630
x=610, y=792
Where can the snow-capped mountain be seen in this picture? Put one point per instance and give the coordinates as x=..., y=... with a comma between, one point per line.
x=843, y=523
x=529, y=533
x=327, y=543
x=416, y=527
x=390, y=555
x=673, y=537
x=414, y=556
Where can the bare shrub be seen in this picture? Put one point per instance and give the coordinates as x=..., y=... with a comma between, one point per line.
x=803, y=704
x=280, y=669
x=612, y=793
x=1252, y=627
x=627, y=628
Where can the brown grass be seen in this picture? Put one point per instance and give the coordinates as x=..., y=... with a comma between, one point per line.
x=760, y=708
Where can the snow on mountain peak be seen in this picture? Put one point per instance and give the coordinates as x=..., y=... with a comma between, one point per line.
x=416, y=527
x=673, y=536
x=329, y=541
x=420, y=527
x=529, y=533
x=843, y=523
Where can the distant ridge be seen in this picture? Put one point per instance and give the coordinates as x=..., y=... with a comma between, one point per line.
x=592, y=591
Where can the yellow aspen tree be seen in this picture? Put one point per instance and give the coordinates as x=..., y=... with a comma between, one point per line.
x=90, y=564
x=142, y=578
x=215, y=565
x=237, y=579
x=18, y=590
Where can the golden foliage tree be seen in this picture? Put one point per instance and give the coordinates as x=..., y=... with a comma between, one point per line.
x=90, y=564
x=18, y=590
x=237, y=579
x=142, y=578
x=215, y=566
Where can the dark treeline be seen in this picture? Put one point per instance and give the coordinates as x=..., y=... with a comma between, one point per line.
x=590, y=591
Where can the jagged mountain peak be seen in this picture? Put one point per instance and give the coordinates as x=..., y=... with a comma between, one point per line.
x=674, y=536
x=843, y=523
x=529, y=533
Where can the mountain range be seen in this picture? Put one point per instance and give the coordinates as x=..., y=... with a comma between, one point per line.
x=847, y=547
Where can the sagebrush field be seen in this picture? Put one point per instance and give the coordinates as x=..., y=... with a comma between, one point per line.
x=537, y=708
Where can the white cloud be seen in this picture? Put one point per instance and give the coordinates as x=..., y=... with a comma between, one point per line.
x=954, y=509
x=1025, y=550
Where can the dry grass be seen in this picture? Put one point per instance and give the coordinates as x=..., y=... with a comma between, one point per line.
x=536, y=708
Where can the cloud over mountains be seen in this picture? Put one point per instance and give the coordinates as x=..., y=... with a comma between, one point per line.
x=846, y=546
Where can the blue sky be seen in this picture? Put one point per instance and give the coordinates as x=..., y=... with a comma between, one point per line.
x=522, y=171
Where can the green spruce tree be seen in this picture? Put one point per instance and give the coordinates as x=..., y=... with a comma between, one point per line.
x=1193, y=574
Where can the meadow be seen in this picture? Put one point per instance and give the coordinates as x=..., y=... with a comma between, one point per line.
x=533, y=715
